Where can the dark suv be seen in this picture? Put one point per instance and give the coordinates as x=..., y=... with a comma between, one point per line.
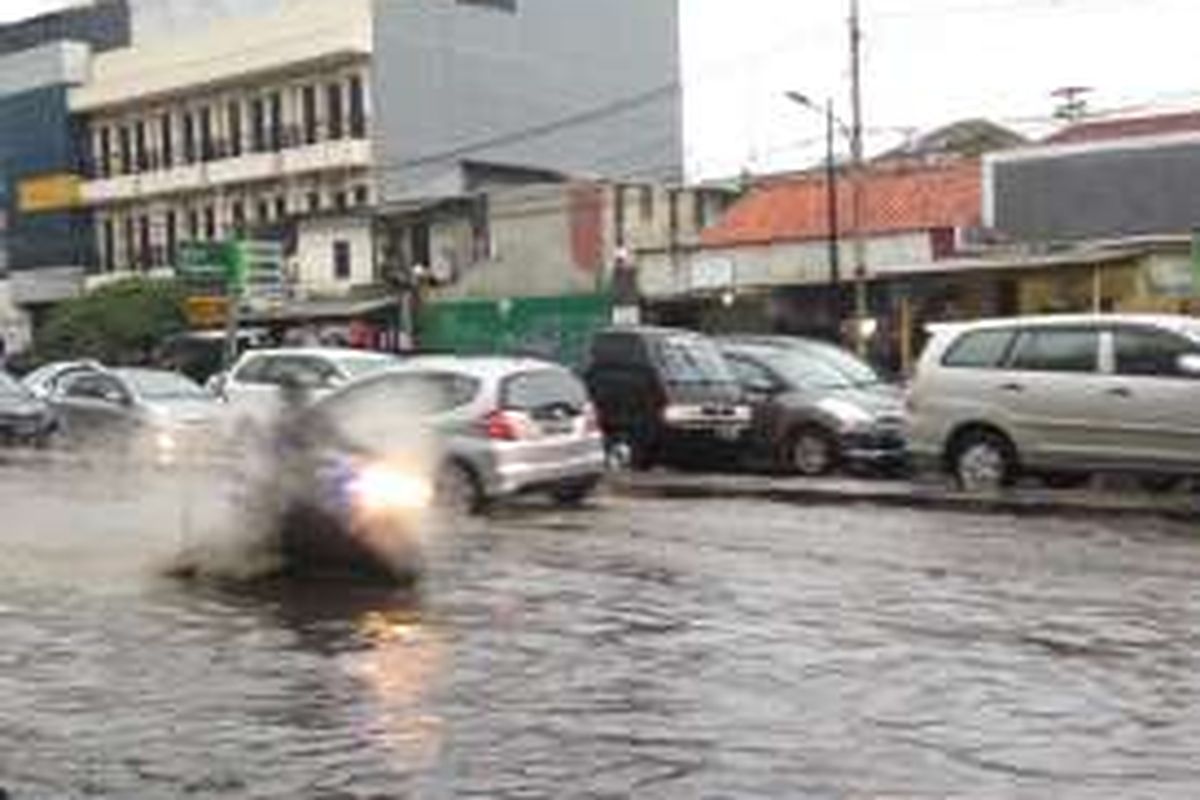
x=665, y=395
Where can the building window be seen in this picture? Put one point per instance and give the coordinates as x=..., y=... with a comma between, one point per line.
x=333, y=107
x=340, y=201
x=276, y=105
x=193, y=225
x=104, y=156
x=341, y=260
x=361, y=196
x=108, y=246
x=264, y=211
x=210, y=223
x=126, y=150
x=314, y=201
x=144, y=255
x=358, y=109
x=189, y=138
x=308, y=113
x=646, y=203
x=140, y=156
x=281, y=207
x=258, y=125
x=699, y=215
x=168, y=143
x=238, y=212
x=172, y=236
x=235, y=128
x=130, y=242
x=207, y=152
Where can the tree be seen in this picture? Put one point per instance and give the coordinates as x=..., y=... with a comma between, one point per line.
x=120, y=323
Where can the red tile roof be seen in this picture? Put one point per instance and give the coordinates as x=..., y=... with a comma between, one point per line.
x=912, y=198
x=1128, y=127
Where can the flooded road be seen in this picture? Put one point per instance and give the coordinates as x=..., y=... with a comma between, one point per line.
x=638, y=648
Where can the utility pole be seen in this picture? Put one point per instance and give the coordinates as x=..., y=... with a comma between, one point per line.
x=831, y=210
x=861, y=306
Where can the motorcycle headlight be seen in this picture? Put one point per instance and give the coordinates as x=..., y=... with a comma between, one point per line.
x=381, y=488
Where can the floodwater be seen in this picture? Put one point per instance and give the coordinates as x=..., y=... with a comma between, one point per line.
x=637, y=648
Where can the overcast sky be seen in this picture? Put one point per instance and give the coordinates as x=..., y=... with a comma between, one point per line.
x=927, y=62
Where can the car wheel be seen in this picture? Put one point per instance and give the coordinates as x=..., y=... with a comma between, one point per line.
x=811, y=451
x=573, y=494
x=457, y=491
x=983, y=461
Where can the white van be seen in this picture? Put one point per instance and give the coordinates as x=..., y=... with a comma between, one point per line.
x=1063, y=396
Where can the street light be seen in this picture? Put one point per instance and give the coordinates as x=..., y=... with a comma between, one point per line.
x=859, y=334
x=831, y=199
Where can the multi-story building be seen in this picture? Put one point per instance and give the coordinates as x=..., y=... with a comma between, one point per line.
x=45, y=240
x=299, y=122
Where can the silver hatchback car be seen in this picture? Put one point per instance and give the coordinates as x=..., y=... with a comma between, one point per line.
x=1062, y=396
x=502, y=426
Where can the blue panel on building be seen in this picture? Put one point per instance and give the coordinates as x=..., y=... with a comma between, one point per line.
x=37, y=138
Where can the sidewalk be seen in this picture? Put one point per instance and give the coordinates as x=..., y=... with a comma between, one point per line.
x=931, y=495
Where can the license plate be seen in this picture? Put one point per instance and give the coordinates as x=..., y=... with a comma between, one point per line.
x=728, y=434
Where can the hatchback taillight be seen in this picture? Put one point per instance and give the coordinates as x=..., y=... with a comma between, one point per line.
x=591, y=419
x=502, y=426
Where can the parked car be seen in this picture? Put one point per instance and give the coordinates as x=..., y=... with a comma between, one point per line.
x=139, y=410
x=665, y=395
x=814, y=410
x=24, y=418
x=856, y=371
x=1063, y=396
x=252, y=386
x=43, y=381
x=502, y=426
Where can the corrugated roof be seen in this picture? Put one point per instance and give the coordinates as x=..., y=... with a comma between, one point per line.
x=1127, y=128
x=946, y=195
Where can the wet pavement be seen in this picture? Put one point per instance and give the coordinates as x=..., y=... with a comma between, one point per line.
x=643, y=647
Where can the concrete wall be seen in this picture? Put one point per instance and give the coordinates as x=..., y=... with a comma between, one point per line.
x=314, y=260
x=459, y=80
x=14, y=323
x=781, y=264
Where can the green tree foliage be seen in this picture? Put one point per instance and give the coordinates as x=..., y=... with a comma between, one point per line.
x=119, y=323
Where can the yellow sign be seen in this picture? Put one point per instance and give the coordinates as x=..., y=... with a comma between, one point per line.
x=206, y=312
x=57, y=192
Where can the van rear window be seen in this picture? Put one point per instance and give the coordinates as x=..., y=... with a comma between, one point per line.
x=985, y=349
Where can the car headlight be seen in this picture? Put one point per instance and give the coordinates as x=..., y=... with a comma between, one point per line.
x=378, y=488
x=849, y=416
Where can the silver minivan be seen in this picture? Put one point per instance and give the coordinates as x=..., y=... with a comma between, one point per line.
x=1060, y=396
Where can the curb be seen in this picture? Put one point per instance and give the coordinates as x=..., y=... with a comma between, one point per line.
x=1015, y=503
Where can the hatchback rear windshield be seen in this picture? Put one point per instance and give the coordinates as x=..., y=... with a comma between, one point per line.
x=365, y=365
x=155, y=385
x=543, y=389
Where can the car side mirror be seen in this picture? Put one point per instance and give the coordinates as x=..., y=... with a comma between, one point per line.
x=1189, y=364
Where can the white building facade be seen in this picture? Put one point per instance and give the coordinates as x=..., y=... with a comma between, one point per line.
x=203, y=138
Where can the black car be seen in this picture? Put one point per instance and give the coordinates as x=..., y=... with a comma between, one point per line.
x=665, y=395
x=24, y=419
x=817, y=407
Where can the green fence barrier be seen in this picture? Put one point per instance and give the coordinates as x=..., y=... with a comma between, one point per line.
x=554, y=328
